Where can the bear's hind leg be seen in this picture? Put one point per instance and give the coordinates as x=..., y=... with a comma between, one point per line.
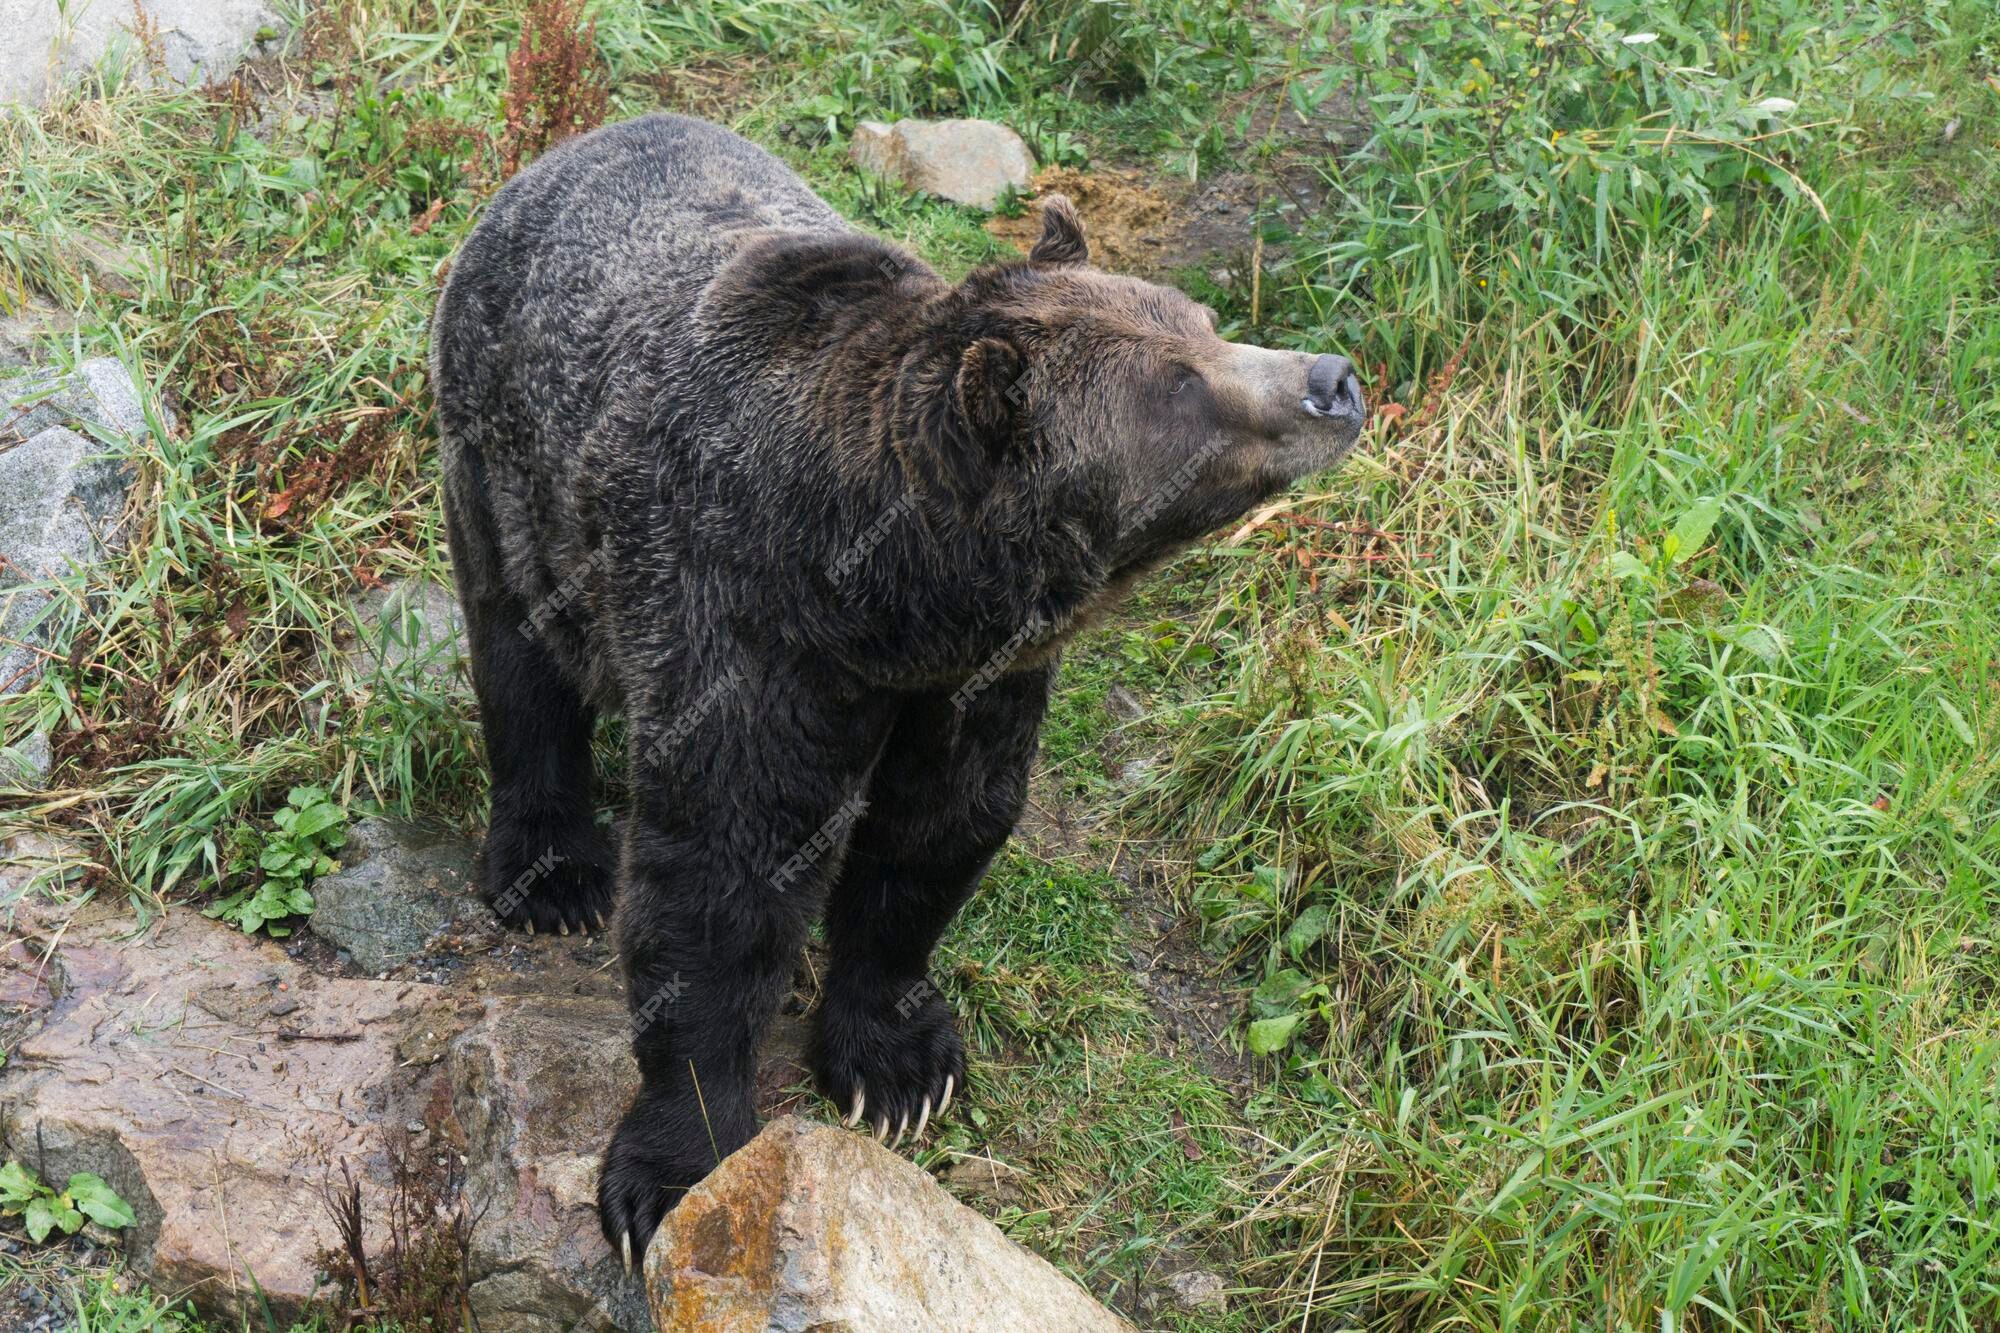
x=546, y=865
x=943, y=799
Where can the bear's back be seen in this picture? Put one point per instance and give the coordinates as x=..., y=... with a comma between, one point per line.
x=628, y=222
x=570, y=314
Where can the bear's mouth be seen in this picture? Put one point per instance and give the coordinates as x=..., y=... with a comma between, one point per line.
x=1301, y=453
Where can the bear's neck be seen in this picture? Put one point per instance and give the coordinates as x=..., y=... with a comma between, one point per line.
x=949, y=561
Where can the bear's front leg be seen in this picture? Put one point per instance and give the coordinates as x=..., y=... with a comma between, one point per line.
x=728, y=846
x=941, y=802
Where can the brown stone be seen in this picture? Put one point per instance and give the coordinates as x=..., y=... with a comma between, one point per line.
x=215, y=1080
x=538, y=1084
x=160, y=1070
x=821, y=1229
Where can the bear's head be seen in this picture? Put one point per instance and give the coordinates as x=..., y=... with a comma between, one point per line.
x=1124, y=387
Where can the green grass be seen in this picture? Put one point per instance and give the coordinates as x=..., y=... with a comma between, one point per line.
x=1598, y=829
x=1627, y=904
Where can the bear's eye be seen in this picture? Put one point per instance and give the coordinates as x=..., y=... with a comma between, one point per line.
x=1182, y=377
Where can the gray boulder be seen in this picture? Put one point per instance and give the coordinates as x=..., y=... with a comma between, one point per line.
x=61, y=494
x=26, y=324
x=99, y=392
x=44, y=44
x=399, y=885
x=966, y=161
x=408, y=621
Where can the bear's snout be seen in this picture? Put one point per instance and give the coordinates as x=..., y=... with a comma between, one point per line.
x=1332, y=389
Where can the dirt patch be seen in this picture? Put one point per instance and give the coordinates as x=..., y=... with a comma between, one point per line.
x=1129, y=224
x=713, y=89
x=1198, y=1007
x=1145, y=229
x=1191, y=994
x=1141, y=223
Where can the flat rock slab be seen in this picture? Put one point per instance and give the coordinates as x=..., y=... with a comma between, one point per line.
x=218, y=1080
x=809, y=1229
x=175, y=1067
x=966, y=161
x=44, y=44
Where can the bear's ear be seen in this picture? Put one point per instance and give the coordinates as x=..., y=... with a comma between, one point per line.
x=1062, y=234
x=988, y=389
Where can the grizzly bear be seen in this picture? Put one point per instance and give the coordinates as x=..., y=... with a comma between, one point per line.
x=818, y=523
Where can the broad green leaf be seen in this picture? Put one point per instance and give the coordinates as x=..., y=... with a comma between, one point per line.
x=1264, y=884
x=1691, y=533
x=18, y=1184
x=1271, y=1035
x=1957, y=720
x=98, y=1201
x=40, y=1218
x=1758, y=639
x=1625, y=565
x=1308, y=930
x=46, y=1213
x=1280, y=990
x=315, y=818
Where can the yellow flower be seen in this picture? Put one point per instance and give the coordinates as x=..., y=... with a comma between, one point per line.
x=1557, y=135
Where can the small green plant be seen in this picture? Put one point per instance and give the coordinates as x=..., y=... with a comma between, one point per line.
x=290, y=858
x=43, y=1210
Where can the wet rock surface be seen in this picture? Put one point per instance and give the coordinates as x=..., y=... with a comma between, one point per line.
x=218, y=1081
x=399, y=887
x=163, y=1068
x=538, y=1084
x=812, y=1228
x=966, y=161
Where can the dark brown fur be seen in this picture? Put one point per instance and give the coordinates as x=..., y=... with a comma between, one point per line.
x=816, y=521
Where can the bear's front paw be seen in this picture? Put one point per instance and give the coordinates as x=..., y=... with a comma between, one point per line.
x=889, y=1055
x=660, y=1150
x=553, y=878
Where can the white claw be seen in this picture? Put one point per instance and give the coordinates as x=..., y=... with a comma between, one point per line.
x=628, y=1251
x=923, y=1118
x=945, y=1100
x=531, y=927
x=900, y=1130
x=854, y=1110
x=882, y=1129
x=563, y=926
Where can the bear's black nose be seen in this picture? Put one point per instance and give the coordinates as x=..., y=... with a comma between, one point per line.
x=1332, y=388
